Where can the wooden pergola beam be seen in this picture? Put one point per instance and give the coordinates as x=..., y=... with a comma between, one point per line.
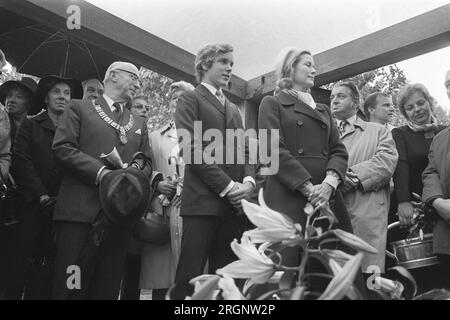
x=120, y=37
x=413, y=37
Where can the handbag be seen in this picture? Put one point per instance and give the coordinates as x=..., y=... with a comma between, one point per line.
x=153, y=228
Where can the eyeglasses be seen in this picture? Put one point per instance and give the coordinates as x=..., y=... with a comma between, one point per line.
x=141, y=106
x=133, y=76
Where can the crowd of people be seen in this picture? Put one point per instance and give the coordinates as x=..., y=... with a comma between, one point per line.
x=54, y=136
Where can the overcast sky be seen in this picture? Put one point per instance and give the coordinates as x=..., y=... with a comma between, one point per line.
x=258, y=29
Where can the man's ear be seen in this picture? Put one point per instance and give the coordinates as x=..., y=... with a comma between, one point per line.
x=204, y=67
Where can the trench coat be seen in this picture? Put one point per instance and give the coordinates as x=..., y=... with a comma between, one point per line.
x=309, y=145
x=436, y=183
x=373, y=158
x=159, y=263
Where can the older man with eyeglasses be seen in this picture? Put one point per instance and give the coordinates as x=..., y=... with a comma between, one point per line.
x=88, y=129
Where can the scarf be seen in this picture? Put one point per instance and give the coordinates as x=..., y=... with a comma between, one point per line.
x=427, y=129
x=305, y=97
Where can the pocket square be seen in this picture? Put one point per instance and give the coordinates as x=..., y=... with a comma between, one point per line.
x=138, y=131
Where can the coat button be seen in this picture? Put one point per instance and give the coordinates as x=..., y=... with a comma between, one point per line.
x=300, y=151
x=325, y=152
x=323, y=125
x=299, y=122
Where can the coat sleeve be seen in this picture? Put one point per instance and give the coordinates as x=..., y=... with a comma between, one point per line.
x=401, y=174
x=338, y=156
x=24, y=171
x=291, y=172
x=67, y=150
x=187, y=112
x=432, y=188
x=5, y=145
x=376, y=172
x=146, y=148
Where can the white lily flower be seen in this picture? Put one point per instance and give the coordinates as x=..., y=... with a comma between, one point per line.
x=229, y=289
x=205, y=287
x=253, y=263
x=272, y=226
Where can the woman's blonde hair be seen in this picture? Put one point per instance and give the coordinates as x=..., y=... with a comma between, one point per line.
x=285, y=64
x=407, y=91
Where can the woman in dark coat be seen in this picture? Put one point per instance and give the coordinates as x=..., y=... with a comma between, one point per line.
x=38, y=178
x=312, y=159
x=413, y=142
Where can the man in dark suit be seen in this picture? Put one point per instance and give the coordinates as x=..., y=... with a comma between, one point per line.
x=87, y=130
x=212, y=191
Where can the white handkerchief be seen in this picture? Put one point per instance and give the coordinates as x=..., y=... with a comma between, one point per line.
x=138, y=131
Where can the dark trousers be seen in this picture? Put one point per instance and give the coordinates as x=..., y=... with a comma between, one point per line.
x=101, y=277
x=130, y=282
x=205, y=238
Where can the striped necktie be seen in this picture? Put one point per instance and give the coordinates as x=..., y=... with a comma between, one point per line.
x=343, y=127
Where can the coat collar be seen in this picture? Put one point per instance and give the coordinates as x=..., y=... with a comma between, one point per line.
x=44, y=121
x=213, y=100
x=299, y=106
x=359, y=123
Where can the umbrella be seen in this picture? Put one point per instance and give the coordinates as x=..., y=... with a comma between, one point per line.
x=40, y=50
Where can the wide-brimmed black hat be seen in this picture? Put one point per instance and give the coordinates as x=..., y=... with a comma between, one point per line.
x=26, y=84
x=47, y=83
x=125, y=195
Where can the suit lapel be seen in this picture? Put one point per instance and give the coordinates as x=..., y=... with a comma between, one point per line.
x=213, y=100
x=229, y=114
x=104, y=105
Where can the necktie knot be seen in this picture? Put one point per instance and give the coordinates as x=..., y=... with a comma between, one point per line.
x=343, y=126
x=117, y=110
x=220, y=96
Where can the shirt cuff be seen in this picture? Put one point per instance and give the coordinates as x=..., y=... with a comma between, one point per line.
x=332, y=181
x=249, y=179
x=98, y=175
x=227, y=189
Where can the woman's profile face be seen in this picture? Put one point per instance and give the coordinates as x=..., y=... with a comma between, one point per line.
x=418, y=108
x=305, y=72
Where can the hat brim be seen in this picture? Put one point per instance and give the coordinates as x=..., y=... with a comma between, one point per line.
x=47, y=83
x=141, y=207
x=11, y=84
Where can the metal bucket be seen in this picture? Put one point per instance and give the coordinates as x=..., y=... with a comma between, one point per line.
x=414, y=252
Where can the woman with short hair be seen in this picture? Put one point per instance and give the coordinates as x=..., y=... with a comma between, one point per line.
x=413, y=142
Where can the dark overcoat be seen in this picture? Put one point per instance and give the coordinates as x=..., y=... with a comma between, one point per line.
x=35, y=168
x=309, y=145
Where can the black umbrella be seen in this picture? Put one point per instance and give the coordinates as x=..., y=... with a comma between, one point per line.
x=41, y=50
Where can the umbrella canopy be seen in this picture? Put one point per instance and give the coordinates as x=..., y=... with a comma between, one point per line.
x=42, y=50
